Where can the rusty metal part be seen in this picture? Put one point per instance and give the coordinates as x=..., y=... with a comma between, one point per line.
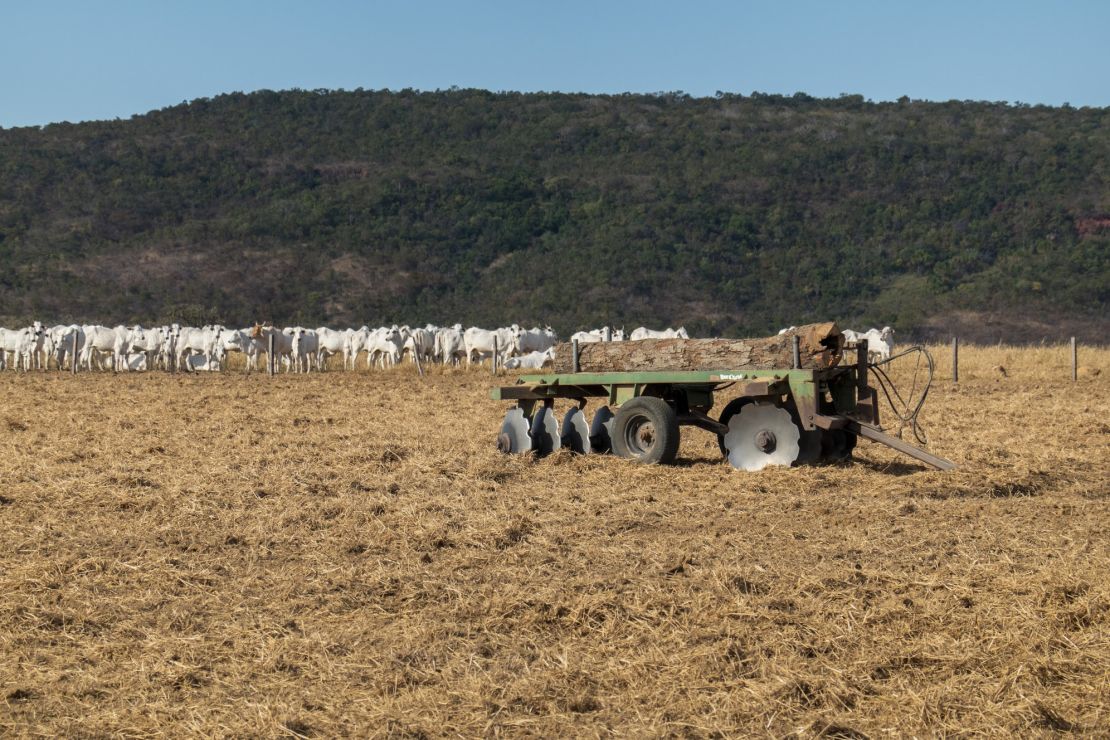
x=702, y=421
x=875, y=435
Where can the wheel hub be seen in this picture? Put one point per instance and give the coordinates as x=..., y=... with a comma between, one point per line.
x=765, y=441
x=646, y=435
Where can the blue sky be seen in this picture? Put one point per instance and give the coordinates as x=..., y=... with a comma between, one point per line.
x=73, y=61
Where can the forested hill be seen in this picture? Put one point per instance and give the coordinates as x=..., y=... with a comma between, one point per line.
x=731, y=215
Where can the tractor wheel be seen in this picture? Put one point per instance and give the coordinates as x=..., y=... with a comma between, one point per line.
x=646, y=429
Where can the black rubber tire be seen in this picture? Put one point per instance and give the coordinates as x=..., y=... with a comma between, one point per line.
x=731, y=409
x=837, y=445
x=810, y=444
x=633, y=439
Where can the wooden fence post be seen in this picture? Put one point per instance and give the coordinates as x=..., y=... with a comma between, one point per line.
x=270, y=356
x=493, y=360
x=73, y=354
x=1074, y=361
x=574, y=367
x=955, y=359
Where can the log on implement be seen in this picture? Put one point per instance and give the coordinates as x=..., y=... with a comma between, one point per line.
x=820, y=347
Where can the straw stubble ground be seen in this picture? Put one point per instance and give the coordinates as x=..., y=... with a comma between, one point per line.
x=346, y=554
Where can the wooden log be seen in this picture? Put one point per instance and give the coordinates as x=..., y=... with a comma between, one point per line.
x=819, y=346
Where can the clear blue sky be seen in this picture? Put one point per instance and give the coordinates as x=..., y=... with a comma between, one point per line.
x=62, y=60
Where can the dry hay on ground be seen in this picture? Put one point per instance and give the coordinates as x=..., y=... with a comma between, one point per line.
x=347, y=554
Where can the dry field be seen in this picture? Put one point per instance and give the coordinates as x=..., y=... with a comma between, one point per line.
x=346, y=554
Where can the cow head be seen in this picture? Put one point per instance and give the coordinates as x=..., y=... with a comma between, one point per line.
x=887, y=334
x=37, y=328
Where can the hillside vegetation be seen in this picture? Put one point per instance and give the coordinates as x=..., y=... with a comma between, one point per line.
x=731, y=214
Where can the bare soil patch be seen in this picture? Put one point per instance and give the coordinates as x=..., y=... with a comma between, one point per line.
x=347, y=554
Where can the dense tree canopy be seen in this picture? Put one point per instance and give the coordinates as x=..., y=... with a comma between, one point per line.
x=732, y=214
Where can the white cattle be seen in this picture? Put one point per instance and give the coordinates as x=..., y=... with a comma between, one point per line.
x=24, y=345
x=483, y=342
x=200, y=363
x=283, y=343
x=534, y=340
x=385, y=346
x=167, y=353
x=357, y=342
x=18, y=343
x=102, y=342
x=668, y=333
x=241, y=340
x=604, y=334
x=450, y=345
x=204, y=342
x=126, y=339
x=880, y=342
x=27, y=348
x=61, y=339
x=147, y=342
x=305, y=346
x=532, y=360
x=41, y=346
x=420, y=343
x=331, y=342
x=585, y=337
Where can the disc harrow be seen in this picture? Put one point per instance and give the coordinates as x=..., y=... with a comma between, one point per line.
x=778, y=417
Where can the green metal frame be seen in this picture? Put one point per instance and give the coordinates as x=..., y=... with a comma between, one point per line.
x=807, y=388
x=832, y=398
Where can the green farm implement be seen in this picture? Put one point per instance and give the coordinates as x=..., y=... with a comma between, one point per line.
x=787, y=416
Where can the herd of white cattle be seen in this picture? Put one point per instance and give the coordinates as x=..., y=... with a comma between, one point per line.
x=298, y=349
x=295, y=348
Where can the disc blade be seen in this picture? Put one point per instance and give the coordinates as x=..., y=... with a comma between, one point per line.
x=545, y=432
x=576, y=432
x=600, y=430
x=514, y=436
x=762, y=434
